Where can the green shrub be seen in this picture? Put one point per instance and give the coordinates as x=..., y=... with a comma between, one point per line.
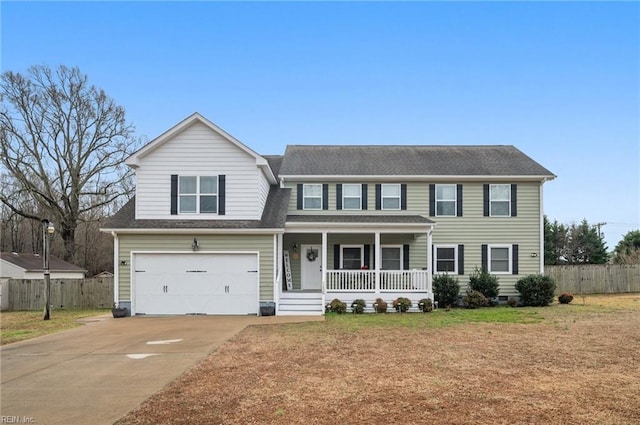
x=425, y=305
x=512, y=302
x=474, y=299
x=380, y=306
x=484, y=282
x=536, y=290
x=565, y=298
x=402, y=304
x=445, y=290
x=357, y=306
x=338, y=306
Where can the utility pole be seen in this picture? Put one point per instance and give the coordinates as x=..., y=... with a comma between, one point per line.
x=599, y=225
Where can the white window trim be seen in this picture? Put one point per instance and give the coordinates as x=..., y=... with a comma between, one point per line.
x=352, y=197
x=351, y=246
x=197, y=194
x=509, y=260
x=455, y=200
x=401, y=256
x=382, y=196
x=455, y=258
x=491, y=186
x=312, y=197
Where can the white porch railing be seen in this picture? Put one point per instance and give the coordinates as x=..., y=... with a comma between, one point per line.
x=390, y=281
x=351, y=280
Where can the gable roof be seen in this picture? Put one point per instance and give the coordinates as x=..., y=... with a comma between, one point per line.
x=261, y=162
x=33, y=262
x=400, y=160
x=273, y=217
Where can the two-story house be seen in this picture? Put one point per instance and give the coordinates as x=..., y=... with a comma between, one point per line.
x=216, y=228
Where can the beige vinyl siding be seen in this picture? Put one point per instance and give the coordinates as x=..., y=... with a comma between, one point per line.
x=198, y=151
x=473, y=229
x=157, y=243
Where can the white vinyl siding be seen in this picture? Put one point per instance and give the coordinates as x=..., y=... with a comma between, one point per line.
x=198, y=151
x=263, y=190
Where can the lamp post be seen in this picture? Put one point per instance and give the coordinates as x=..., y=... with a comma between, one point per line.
x=47, y=231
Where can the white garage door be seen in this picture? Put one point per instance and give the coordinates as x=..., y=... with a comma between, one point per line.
x=195, y=283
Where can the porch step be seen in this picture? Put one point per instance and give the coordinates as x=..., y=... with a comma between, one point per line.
x=300, y=303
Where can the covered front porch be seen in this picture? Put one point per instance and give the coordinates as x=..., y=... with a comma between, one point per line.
x=353, y=257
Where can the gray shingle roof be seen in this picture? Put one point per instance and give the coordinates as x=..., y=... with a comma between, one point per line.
x=273, y=217
x=33, y=262
x=275, y=161
x=494, y=160
x=360, y=219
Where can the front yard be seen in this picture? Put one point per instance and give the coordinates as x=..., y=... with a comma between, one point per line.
x=577, y=363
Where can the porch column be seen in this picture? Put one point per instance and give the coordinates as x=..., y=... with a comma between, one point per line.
x=277, y=268
x=324, y=269
x=378, y=261
x=429, y=264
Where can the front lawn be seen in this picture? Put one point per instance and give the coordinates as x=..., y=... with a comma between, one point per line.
x=20, y=325
x=576, y=363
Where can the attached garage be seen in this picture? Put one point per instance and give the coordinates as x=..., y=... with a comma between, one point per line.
x=195, y=283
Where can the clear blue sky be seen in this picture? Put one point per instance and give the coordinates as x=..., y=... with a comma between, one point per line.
x=561, y=81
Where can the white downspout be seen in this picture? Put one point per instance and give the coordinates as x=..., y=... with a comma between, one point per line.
x=429, y=264
x=116, y=268
x=378, y=262
x=277, y=268
x=541, y=254
x=324, y=270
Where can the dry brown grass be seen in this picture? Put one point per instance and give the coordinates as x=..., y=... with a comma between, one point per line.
x=580, y=364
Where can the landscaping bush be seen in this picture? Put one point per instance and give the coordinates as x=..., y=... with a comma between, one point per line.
x=425, y=305
x=484, y=282
x=402, y=304
x=338, y=306
x=536, y=290
x=380, y=306
x=474, y=299
x=565, y=298
x=445, y=290
x=512, y=302
x=357, y=306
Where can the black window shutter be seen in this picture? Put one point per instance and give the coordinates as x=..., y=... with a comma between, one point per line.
x=336, y=257
x=514, y=200
x=485, y=257
x=403, y=196
x=460, y=259
x=222, y=194
x=325, y=196
x=365, y=194
x=459, y=200
x=432, y=200
x=405, y=257
x=433, y=259
x=485, y=198
x=339, y=196
x=300, y=195
x=174, y=194
x=378, y=196
x=367, y=256
x=514, y=259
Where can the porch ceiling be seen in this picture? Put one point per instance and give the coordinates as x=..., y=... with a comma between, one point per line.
x=360, y=223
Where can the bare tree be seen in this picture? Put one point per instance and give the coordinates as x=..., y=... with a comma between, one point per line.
x=63, y=142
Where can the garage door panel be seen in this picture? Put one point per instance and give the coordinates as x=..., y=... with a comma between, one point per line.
x=196, y=283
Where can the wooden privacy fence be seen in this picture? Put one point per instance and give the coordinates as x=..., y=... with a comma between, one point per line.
x=596, y=278
x=29, y=294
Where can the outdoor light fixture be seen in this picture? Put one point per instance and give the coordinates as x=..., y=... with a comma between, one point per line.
x=47, y=231
x=294, y=247
x=534, y=254
x=194, y=245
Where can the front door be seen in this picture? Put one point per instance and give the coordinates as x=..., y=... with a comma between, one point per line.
x=311, y=267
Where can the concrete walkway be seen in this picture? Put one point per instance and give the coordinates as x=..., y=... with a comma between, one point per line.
x=95, y=374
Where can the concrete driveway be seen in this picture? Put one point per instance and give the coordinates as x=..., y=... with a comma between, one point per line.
x=95, y=374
